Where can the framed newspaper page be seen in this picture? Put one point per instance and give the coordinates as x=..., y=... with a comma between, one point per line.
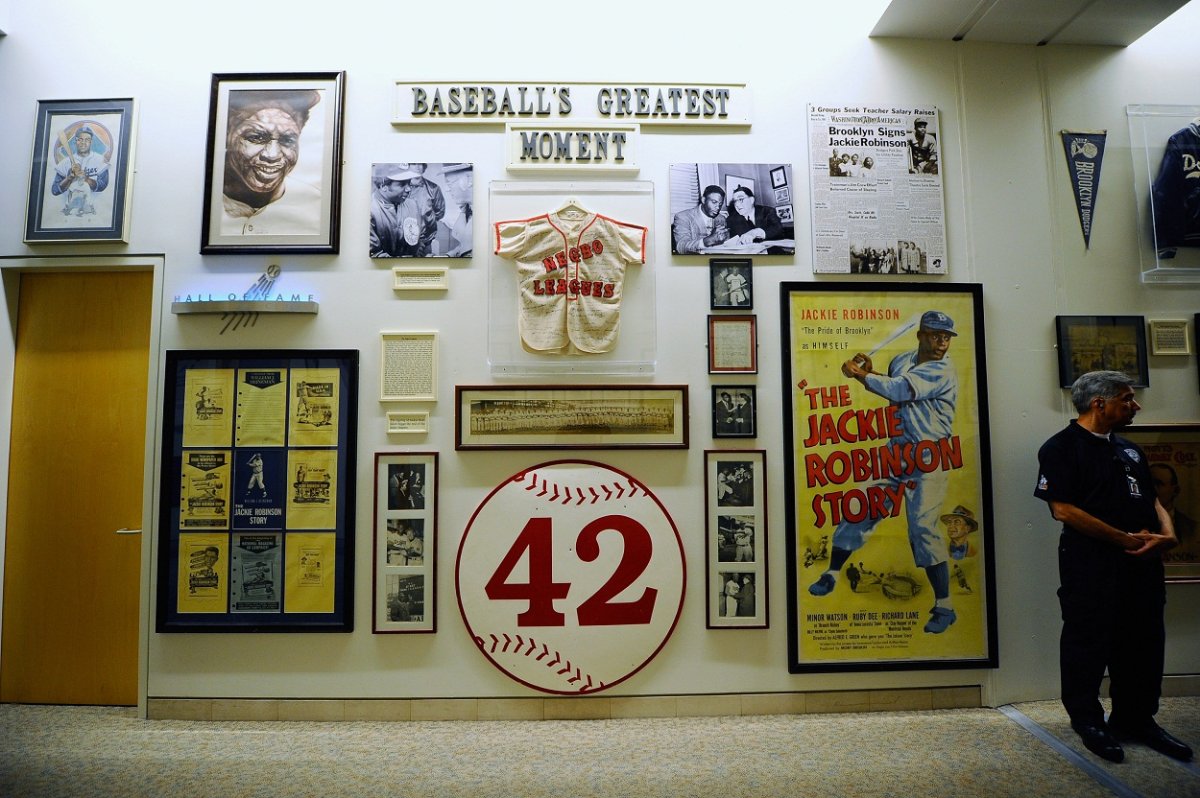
x=1173, y=452
x=888, y=525
x=256, y=521
x=875, y=191
x=735, y=491
x=405, y=543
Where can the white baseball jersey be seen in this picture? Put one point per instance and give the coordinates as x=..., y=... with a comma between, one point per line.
x=570, y=268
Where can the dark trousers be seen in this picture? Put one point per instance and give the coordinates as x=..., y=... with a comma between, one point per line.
x=1112, y=610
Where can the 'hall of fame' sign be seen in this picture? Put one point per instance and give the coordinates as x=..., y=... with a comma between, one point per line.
x=570, y=576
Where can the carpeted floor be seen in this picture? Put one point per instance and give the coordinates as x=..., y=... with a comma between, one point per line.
x=103, y=751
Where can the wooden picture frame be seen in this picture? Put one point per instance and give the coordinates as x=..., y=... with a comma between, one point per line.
x=273, y=168
x=735, y=553
x=734, y=411
x=571, y=417
x=733, y=344
x=257, y=486
x=1173, y=454
x=1092, y=343
x=405, y=548
x=881, y=573
x=408, y=366
x=80, y=175
x=731, y=283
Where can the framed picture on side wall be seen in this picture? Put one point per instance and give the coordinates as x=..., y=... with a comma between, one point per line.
x=273, y=173
x=405, y=542
x=1173, y=453
x=736, y=544
x=79, y=179
x=1093, y=343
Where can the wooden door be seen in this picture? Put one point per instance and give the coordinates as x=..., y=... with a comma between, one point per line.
x=71, y=582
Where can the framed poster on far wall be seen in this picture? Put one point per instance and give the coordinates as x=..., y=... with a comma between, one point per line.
x=256, y=521
x=889, y=507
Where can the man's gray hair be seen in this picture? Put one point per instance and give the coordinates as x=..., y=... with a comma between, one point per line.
x=1097, y=385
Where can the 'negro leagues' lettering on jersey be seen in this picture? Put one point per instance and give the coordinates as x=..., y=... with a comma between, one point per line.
x=570, y=267
x=1177, y=191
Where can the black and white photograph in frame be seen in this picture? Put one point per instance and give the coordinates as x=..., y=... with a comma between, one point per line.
x=731, y=283
x=422, y=210
x=405, y=546
x=735, y=482
x=406, y=486
x=274, y=164
x=735, y=537
x=730, y=209
x=735, y=555
x=735, y=411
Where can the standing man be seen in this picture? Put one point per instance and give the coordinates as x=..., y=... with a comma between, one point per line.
x=390, y=206
x=706, y=225
x=1115, y=531
x=924, y=388
x=431, y=204
x=922, y=149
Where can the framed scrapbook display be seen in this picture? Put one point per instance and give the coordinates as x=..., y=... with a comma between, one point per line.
x=273, y=170
x=256, y=522
x=571, y=417
x=80, y=176
x=1173, y=453
x=1164, y=141
x=571, y=278
x=1089, y=343
x=405, y=542
x=888, y=527
x=735, y=490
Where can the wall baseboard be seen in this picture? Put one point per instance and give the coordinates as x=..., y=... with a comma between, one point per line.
x=592, y=708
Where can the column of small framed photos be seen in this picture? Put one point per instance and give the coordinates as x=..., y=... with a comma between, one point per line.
x=732, y=347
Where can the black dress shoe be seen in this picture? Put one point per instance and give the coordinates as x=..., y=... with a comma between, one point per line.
x=1154, y=736
x=1097, y=740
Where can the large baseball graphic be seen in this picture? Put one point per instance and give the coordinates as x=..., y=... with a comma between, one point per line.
x=570, y=576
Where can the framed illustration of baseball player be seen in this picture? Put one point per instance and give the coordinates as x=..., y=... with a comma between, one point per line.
x=79, y=180
x=572, y=288
x=887, y=472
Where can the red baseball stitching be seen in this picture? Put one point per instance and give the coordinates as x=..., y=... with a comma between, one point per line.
x=566, y=494
x=513, y=645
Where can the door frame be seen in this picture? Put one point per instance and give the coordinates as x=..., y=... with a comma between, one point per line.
x=11, y=269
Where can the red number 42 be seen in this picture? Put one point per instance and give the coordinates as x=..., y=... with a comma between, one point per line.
x=541, y=590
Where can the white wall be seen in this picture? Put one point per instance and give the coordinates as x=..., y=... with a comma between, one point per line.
x=1010, y=221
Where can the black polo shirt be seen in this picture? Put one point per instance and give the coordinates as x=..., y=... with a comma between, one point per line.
x=1108, y=479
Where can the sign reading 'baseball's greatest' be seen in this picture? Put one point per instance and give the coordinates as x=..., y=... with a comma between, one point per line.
x=575, y=126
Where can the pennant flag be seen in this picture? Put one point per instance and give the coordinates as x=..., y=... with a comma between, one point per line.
x=1085, y=151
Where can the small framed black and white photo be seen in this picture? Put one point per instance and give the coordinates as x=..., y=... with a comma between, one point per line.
x=731, y=283
x=735, y=411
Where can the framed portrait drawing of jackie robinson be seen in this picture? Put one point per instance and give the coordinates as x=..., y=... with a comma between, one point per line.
x=889, y=515
x=273, y=172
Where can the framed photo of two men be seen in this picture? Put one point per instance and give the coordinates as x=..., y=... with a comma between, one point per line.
x=79, y=177
x=273, y=172
x=889, y=506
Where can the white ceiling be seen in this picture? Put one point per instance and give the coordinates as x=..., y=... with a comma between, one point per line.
x=1114, y=22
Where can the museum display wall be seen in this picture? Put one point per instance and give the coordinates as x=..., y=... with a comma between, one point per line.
x=1011, y=238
